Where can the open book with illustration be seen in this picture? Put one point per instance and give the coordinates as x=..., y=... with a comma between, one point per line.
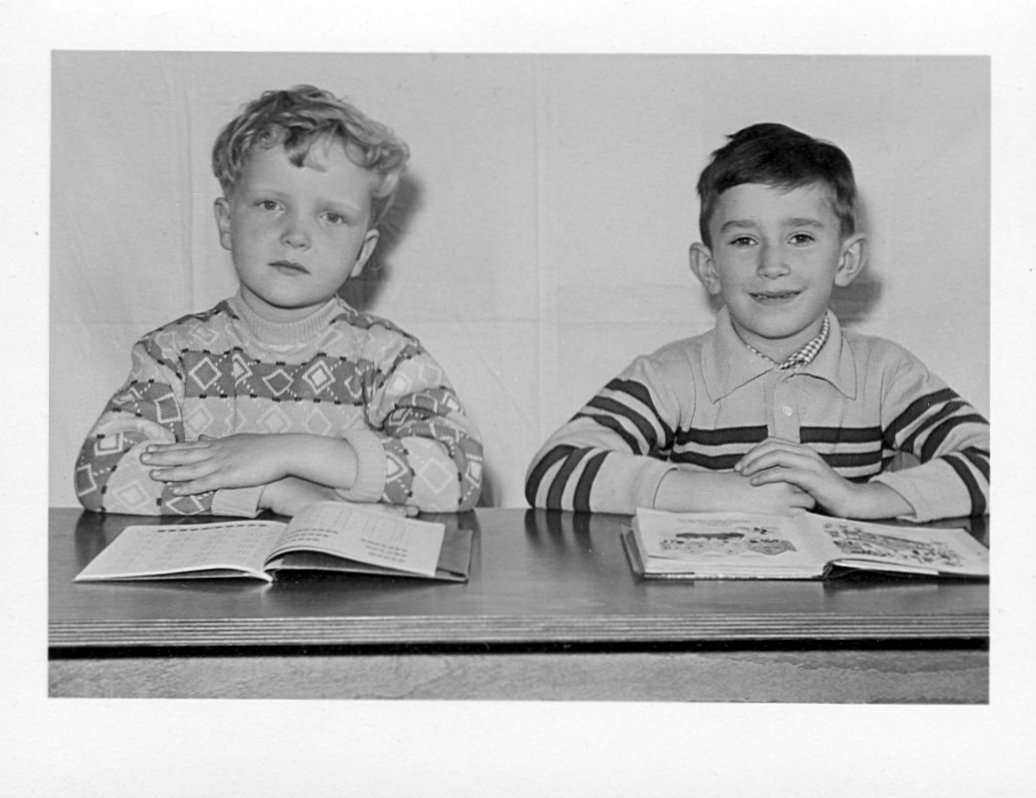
x=663, y=545
x=327, y=536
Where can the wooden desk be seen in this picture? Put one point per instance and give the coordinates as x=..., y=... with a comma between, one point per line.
x=552, y=611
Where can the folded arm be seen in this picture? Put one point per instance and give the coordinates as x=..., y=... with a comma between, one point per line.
x=776, y=462
x=612, y=456
x=949, y=440
x=921, y=418
x=420, y=449
x=146, y=411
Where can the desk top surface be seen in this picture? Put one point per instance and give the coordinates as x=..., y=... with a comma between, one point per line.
x=537, y=577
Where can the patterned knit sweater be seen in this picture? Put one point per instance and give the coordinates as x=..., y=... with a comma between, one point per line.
x=863, y=404
x=337, y=372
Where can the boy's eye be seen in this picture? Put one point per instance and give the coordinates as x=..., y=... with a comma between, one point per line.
x=742, y=241
x=335, y=218
x=267, y=205
x=802, y=238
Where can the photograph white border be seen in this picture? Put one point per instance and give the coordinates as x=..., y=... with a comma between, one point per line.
x=399, y=748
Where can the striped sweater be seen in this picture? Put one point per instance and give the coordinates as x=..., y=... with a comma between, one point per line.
x=864, y=404
x=337, y=372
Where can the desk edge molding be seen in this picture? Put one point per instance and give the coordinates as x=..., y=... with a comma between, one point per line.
x=360, y=631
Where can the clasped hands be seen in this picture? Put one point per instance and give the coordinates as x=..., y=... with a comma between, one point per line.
x=814, y=483
x=237, y=461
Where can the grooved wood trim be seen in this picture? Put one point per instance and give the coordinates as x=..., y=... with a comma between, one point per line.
x=503, y=629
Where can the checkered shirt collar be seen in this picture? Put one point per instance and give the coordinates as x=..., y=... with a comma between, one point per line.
x=804, y=355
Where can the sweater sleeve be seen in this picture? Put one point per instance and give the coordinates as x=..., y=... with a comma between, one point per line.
x=109, y=476
x=420, y=448
x=608, y=457
x=949, y=438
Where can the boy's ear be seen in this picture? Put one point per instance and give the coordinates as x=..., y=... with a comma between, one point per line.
x=704, y=268
x=852, y=260
x=370, y=241
x=222, y=211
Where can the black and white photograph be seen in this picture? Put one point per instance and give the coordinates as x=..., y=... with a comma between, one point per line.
x=358, y=366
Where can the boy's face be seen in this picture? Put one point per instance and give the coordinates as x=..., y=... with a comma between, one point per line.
x=296, y=234
x=776, y=256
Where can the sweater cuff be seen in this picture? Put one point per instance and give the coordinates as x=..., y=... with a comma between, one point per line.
x=242, y=502
x=371, y=468
x=922, y=510
x=650, y=481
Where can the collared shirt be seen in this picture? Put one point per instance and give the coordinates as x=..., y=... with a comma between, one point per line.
x=727, y=366
x=701, y=403
x=802, y=356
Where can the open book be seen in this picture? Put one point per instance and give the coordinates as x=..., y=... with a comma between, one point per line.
x=664, y=545
x=327, y=536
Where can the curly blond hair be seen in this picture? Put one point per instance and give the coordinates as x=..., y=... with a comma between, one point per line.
x=298, y=118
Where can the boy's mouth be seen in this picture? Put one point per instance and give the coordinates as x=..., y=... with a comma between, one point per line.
x=289, y=267
x=774, y=297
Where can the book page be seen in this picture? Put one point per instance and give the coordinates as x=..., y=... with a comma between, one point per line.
x=726, y=543
x=141, y=551
x=904, y=548
x=367, y=536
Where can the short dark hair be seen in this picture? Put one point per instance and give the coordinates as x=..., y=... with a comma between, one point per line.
x=299, y=117
x=776, y=155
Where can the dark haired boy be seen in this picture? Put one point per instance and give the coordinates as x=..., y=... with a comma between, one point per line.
x=777, y=407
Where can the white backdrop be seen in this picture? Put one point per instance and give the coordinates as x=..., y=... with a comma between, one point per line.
x=543, y=234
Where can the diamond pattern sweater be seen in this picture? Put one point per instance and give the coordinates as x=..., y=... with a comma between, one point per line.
x=338, y=373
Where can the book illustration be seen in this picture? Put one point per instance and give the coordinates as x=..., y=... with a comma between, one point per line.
x=741, y=539
x=853, y=541
x=798, y=546
x=717, y=536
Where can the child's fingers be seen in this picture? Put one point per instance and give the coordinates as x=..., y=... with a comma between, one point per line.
x=776, y=452
x=803, y=500
x=784, y=494
x=203, y=442
x=183, y=473
x=759, y=461
x=761, y=450
x=792, y=468
x=185, y=482
x=772, y=475
x=182, y=455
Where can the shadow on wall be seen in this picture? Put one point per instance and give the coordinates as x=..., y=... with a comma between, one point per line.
x=362, y=292
x=856, y=302
x=490, y=496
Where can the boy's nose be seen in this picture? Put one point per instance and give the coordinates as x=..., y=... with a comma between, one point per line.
x=771, y=261
x=295, y=234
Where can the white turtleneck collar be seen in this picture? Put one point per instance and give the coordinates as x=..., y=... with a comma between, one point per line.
x=286, y=333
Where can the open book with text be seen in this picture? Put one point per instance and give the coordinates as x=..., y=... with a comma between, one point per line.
x=666, y=545
x=327, y=536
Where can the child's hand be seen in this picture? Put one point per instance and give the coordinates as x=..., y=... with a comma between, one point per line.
x=781, y=498
x=776, y=461
x=290, y=495
x=687, y=490
x=236, y=461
